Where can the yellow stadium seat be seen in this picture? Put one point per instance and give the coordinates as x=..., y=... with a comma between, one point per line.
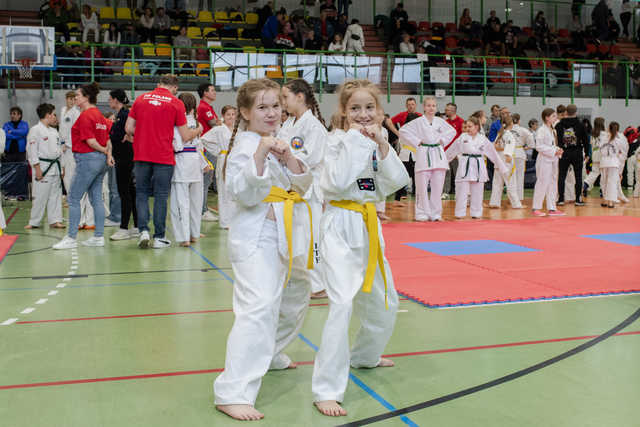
x=251, y=18
x=72, y=25
x=175, y=28
x=130, y=68
x=221, y=16
x=250, y=49
x=123, y=13
x=274, y=73
x=205, y=16
x=202, y=69
x=194, y=33
x=236, y=17
x=207, y=30
x=148, y=49
x=163, y=49
x=107, y=13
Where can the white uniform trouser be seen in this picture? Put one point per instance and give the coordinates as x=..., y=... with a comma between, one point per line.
x=636, y=190
x=593, y=176
x=186, y=210
x=47, y=194
x=609, y=183
x=85, y=33
x=429, y=206
x=225, y=205
x=257, y=291
x=632, y=173
x=499, y=181
x=3, y=223
x=546, y=186
x=621, y=195
x=295, y=297
x=570, y=185
x=521, y=166
x=344, y=273
x=69, y=164
x=464, y=189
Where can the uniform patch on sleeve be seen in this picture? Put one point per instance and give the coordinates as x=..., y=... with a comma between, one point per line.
x=297, y=143
x=366, y=184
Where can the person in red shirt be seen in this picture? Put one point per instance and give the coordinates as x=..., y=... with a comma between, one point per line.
x=451, y=111
x=208, y=119
x=151, y=123
x=401, y=118
x=92, y=152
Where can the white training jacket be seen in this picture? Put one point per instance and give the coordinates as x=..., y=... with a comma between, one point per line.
x=421, y=131
x=546, y=145
x=307, y=138
x=248, y=190
x=611, y=151
x=216, y=140
x=68, y=117
x=471, y=151
x=44, y=142
x=189, y=165
x=525, y=141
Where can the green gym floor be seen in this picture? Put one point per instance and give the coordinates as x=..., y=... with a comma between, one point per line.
x=118, y=336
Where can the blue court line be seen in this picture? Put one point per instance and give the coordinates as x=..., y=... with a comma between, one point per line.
x=364, y=387
x=225, y=275
x=102, y=285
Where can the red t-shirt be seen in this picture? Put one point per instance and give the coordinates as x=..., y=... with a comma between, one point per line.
x=156, y=113
x=401, y=118
x=457, y=125
x=90, y=124
x=205, y=113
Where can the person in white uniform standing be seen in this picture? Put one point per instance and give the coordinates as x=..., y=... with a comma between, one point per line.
x=546, y=165
x=472, y=147
x=186, y=182
x=68, y=116
x=428, y=135
x=598, y=128
x=269, y=228
x=612, y=145
x=216, y=142
x=360, y=169
x=44, y=153
x=524, y=142
x=505, y=145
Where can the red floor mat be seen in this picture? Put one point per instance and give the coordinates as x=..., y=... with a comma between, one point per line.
x=6, y=241
x=564, y=265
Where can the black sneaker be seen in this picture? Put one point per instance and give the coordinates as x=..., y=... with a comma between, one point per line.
x=585, y=190
x=560, y=203
x=579, y=203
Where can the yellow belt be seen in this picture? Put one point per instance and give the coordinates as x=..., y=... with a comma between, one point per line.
x=289, y=198
x=224, y=152
x=369, y=215
x=207, y=160
x=410, y=148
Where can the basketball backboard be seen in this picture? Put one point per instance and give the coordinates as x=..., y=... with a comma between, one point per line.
x=20, y=42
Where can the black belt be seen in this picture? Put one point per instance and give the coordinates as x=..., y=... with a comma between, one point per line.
x=472, y=156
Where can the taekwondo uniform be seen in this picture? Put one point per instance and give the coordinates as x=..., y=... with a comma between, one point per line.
x=636, y=190
x=307, y=138
x=260, y=255
x=429, y=138
x=216, y=142
x=595, y=163
x=3, y=140
x=525, y=141
x=354, y=179
x=546, y=169
x=622, y=158
x=610, y=165
x=508, y=144
x=186, y=186
x=43, y=148
x=68, y=117
x=472, y=171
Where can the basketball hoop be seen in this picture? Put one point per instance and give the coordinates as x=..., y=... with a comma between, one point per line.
x=25, y=67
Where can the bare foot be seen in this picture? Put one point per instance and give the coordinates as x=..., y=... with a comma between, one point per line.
x=385, y=363
x=319, y=295
x=292, y=365
x=30, y=227
x=194, y=239
x=330, y=408
x=185, y=244
x=57, y=225
x=241, y=412
x=202, y=235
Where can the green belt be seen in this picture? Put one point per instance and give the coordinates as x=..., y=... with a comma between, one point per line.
x=472, y=156
x=51, y=162
x=431, y=146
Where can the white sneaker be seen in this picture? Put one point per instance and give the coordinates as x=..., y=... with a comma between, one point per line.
x=109, y=223
x=134, y=232
x=209, y=216
x=121, y=235
x=160, y=243
x=444, y=196
x=66, y=243
x=143, y=241
x=94, y=241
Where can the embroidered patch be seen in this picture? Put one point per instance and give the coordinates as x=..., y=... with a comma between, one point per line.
x=366, y=184
x=297, y=143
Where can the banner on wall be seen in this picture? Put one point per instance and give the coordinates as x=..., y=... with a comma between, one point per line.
x=439, y=74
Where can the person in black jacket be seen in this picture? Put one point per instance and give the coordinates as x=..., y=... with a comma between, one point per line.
x=573, y=140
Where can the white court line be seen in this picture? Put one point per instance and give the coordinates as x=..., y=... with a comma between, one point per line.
x=52, y=293
x=61, y=285
x=28, y=310
x=42, y=301
x=403, y=311
x=66, y=279
x=9, y=321
x=71, y=273
x=74, y=263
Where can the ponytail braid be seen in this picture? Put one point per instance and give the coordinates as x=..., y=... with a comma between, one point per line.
x=231, y=141
x=315, y=108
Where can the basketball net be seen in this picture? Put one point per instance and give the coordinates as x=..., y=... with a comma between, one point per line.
x=25, y=67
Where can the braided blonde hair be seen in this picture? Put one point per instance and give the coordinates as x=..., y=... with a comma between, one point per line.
x=346, y=91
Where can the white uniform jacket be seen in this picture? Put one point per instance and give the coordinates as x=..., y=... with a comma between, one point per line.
x=248, y=190
x=524, y=141
x=471, y=164
x=307, y=138
x=217, y=140
x=509, y=143
x=428, y=139
x=189, y=160
x=68, y=117
x=611, y=151
x=351, y=173
x=43, y=142
x=546, y=145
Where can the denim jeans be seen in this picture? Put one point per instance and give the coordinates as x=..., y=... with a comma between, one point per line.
x=115, y=210
x=90, y=170
x=152, y=178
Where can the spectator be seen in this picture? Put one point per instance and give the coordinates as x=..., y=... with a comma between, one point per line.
x=89, y=21
x=324, y=28
x=92, y=152
x=400, y=19
x=341, y=25
x=330, y=9
x=464, y=25
x=146, y=27
x=271, y=29
x=112, y=36
x=73, y=10
x=406, y=46
x=264, y=13
x=400, y=119
x=16, y=131
x=151, y=122
x=492, y=20
x=284, y=39
x=343, y=7
x=58, y=18
x=577, y=34
x=613, y=29
x=495, y=116
x=572, y=138
x=182, y=41
x=354, y=37
x=311, y=42
x=208, y=119
x=599, y=18
x=626, y=10
x=497, y=125
x=337, y=44
x=494, y=41
x=68, y=116
x=162, y=25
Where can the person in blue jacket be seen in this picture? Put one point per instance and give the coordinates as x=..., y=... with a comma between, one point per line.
x=15, y=176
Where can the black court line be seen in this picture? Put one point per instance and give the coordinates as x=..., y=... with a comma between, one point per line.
x=62, y=276
x=449, y=397
x=33, y=250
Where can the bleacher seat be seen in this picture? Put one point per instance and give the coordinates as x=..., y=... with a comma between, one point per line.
x=563, y=33
x=221, y=16
x=236, y=17
x=194, y=33
x=528, y=31
x=202, y=70
x=424, y=26
x=451, y=27
x=451, y=42
x=603, y=49
x=163, y=49
x=591, y=48
x=205, y=16
x=615, y=50
x=74, y=25
x=123, y=13
x=207, y=30
x=107, y=13
x=251, y=18
x=129, y=68
x=148, y=49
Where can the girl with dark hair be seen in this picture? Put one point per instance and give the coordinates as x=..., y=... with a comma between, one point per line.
x=612, y=146
x=92, y=152
x=548, y=155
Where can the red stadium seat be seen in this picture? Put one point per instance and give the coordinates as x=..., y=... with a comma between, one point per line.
x=424, y=26
x=603, y=48
x=563, y=33
x=528, y=31
x=451, y=27
x=451, y=42
x=592, y=48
